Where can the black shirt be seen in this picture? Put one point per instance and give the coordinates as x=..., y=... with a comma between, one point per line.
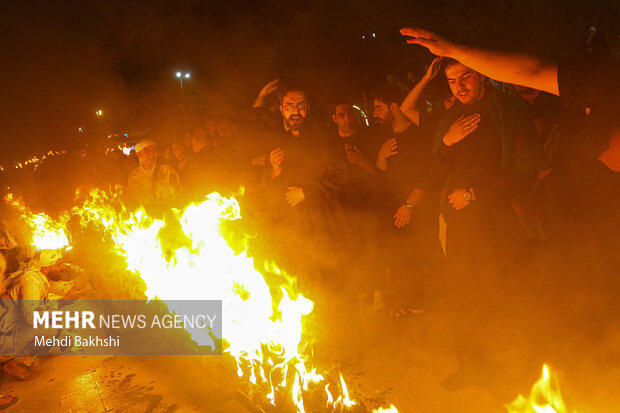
x=478, y=156
x=363, y=191
x=409, y=169
x=592, y=84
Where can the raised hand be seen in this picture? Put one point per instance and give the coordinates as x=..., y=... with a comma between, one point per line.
x=354, y=155
x=433, y=69
x=276, y=157
x=295, y=195
x=389, y=148
x=462, y=127
x=436, y=44
x=269, y=88
x=264, y=92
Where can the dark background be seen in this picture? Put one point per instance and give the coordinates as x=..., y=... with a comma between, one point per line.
x=63, y=60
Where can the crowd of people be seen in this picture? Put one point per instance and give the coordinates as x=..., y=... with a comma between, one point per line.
x=498, y=208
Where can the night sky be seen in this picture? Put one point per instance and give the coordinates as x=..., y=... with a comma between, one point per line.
x=63, y=60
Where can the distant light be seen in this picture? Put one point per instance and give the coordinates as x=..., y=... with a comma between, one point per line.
x=363, y=37
x=374, y=35
x=99, y=112
x=186, y=75
x=178, y=74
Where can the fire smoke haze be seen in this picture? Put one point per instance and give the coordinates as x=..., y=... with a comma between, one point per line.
x=62, y=61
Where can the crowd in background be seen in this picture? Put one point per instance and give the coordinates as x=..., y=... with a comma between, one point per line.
x=493, y=202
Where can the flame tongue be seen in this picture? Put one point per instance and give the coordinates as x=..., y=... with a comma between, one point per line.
x=189, y=256
x=47, y=234
x=544, y=398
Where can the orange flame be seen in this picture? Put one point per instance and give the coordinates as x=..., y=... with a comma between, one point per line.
x=263, y=336
x=545, y=396
x=46, y=233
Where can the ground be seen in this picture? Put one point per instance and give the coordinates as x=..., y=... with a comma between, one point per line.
x=403, y=365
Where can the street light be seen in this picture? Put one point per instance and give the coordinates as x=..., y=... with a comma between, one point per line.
x=182, y=76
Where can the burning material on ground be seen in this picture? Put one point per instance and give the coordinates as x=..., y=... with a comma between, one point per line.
x=192, y=254
x=545, y=396
x=47, y=233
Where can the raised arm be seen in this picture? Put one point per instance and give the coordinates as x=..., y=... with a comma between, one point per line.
x=408, y=107
x=520, y=69
x=268, y=89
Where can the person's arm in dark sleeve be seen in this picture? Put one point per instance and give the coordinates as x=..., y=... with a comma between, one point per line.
x=527, y=160
x=335, y=172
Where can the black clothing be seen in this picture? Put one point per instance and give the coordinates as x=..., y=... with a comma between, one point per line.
x=546, y=106
x=476, y=158
x=415, y=250
x=500, y=161
x=362, y=198
x=363, y=191
x=314, y=231
x=592, y=84
x=213, y=168
x=596, y=84
x=409, y=169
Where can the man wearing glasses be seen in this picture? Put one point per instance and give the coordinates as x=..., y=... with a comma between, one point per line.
x=304, y=171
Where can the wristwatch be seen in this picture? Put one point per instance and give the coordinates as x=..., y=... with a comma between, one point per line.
x=408, y=205
x=467, y=196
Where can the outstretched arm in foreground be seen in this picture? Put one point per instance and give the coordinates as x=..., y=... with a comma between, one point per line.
x=520, y=69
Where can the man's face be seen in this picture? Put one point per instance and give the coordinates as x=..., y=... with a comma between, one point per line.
x=148, y=157
x=178, y=151
x=199, y=139
x=210, y=127
x=465, y=83
x=382, y=113
x=345, y=120
x=527, y=93
x=226, y=129
x=294, y=109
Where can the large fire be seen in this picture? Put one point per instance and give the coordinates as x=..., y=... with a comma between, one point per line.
x=203, y=261
x=199, y=259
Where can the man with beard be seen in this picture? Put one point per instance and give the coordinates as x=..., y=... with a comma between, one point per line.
x=411, y=220
x=305, y=171
x=152, y=184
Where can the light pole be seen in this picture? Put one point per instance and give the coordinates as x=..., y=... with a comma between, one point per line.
x=182, y=76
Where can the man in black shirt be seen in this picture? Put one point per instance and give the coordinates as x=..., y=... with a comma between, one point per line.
x=360, y=199
x=592, y=85
x=487, y=140
x=411, y=213
x=304, y=172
